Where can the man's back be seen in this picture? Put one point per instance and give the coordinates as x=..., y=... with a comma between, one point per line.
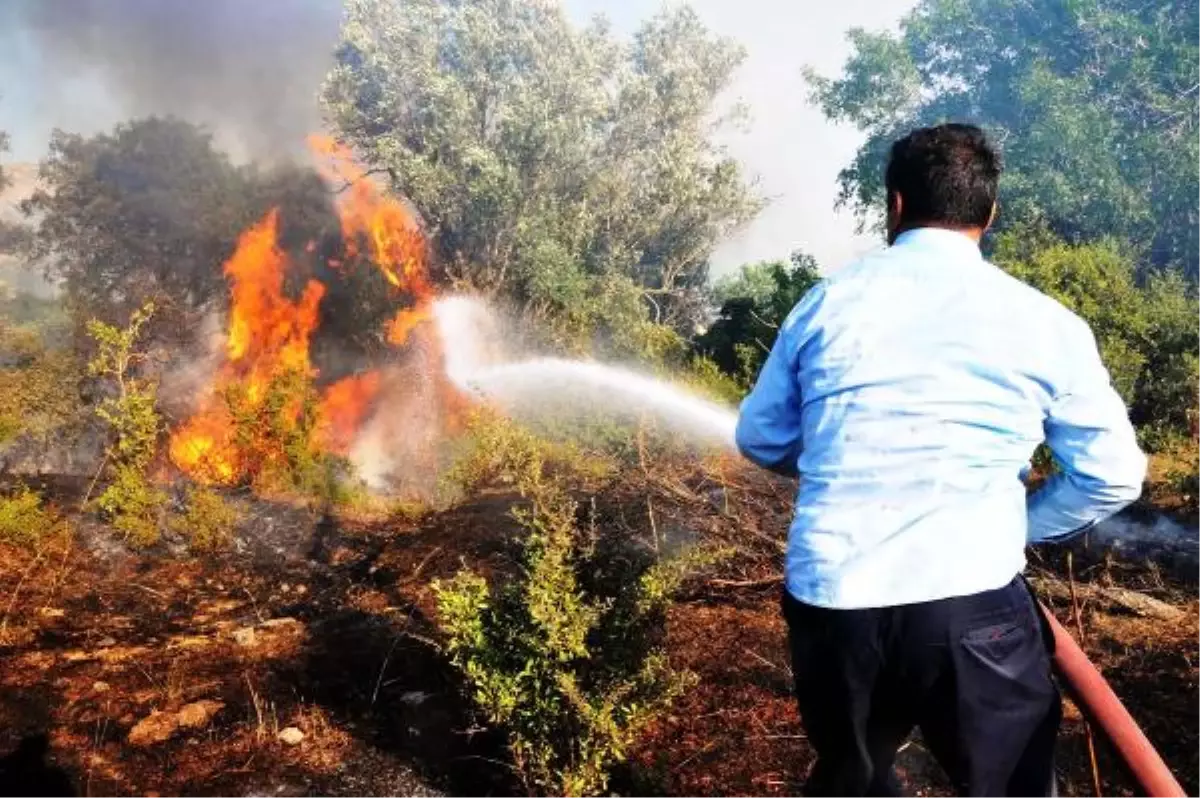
x=908, y=392
x=925, y=376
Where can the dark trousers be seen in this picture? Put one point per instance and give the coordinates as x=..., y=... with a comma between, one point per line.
x=972, y=672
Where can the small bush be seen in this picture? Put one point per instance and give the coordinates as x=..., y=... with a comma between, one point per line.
x=571, y=665
x=501, y=452
x=706, y=376
x=209, y=520
x=130, y=501
x=1175, y=475
x=23, y=520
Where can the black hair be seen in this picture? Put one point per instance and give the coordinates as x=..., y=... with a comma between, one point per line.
x=947, y=176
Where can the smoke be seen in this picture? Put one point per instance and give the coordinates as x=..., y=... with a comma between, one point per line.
x=249, y=71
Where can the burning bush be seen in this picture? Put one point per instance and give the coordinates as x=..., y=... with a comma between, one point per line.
x=269, y=418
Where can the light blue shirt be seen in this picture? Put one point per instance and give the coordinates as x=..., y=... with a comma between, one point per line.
x=909, y=391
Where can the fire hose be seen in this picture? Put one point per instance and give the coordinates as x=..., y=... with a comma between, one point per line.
x=1100, y=704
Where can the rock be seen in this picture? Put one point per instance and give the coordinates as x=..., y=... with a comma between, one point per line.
x=291, y=735
x=414, y=698
x=100, y=687
x=157, y=727
x=106, y=642
x=274, y=623
x=51, y=612
x=245, y=637
x=197, y=715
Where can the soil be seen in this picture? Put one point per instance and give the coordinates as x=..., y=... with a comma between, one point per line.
x=306, y=660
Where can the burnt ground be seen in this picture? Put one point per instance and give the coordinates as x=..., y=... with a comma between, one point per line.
x=126, y=673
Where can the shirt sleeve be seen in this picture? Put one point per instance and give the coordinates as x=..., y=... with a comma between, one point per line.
x=768, y=429
x=1088, y=430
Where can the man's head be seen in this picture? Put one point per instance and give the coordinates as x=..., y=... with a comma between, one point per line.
x=942, y=176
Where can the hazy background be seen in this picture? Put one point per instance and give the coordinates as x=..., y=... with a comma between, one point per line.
x=251, y=72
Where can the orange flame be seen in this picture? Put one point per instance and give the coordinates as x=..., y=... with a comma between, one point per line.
x=269, y=335
x=405, y=321
x=343, y=409
x=396, y=244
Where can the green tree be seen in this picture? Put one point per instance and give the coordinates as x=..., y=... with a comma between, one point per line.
x=548, y=162
x=146, y=212
x=754, y=303
x=1094, y=103
x=11, y=235
x=1145, y=329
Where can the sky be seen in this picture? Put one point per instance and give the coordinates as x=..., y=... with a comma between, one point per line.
x=84, y=65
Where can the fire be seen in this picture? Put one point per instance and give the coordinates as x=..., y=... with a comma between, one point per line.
x=405, y=321
x=269, y=335
x=396, y=244
x=343, y=409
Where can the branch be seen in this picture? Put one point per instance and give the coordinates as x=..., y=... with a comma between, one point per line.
x=376, y=171
x=763, y=321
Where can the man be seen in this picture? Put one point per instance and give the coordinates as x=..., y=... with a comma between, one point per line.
x=908, y=391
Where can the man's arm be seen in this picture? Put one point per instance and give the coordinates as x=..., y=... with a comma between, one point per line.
x=768, y=429
x=1088, y=430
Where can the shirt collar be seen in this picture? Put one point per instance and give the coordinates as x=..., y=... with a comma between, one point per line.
x=939, y=239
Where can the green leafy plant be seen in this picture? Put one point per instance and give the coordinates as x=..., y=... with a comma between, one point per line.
x=130, y=501
x=504, y=453
x=209, y=520
x=565, y=655
x=24, y=521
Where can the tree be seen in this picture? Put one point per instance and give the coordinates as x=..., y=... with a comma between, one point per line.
x=1146, y=331
x=547, y=161
x=147, y=212
x=152, y=210
x=11, y=235
x=755, y=302
x=1094, y=103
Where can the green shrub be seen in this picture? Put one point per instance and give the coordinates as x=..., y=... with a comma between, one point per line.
x=130, y=501
x=23, y=519
x=1175, y=474
x=209, y=520
x=706, y=377
x=501, y=452
x=38, y=392
x=567, y=654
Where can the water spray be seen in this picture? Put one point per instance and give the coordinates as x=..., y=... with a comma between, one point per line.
x=476, y=363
